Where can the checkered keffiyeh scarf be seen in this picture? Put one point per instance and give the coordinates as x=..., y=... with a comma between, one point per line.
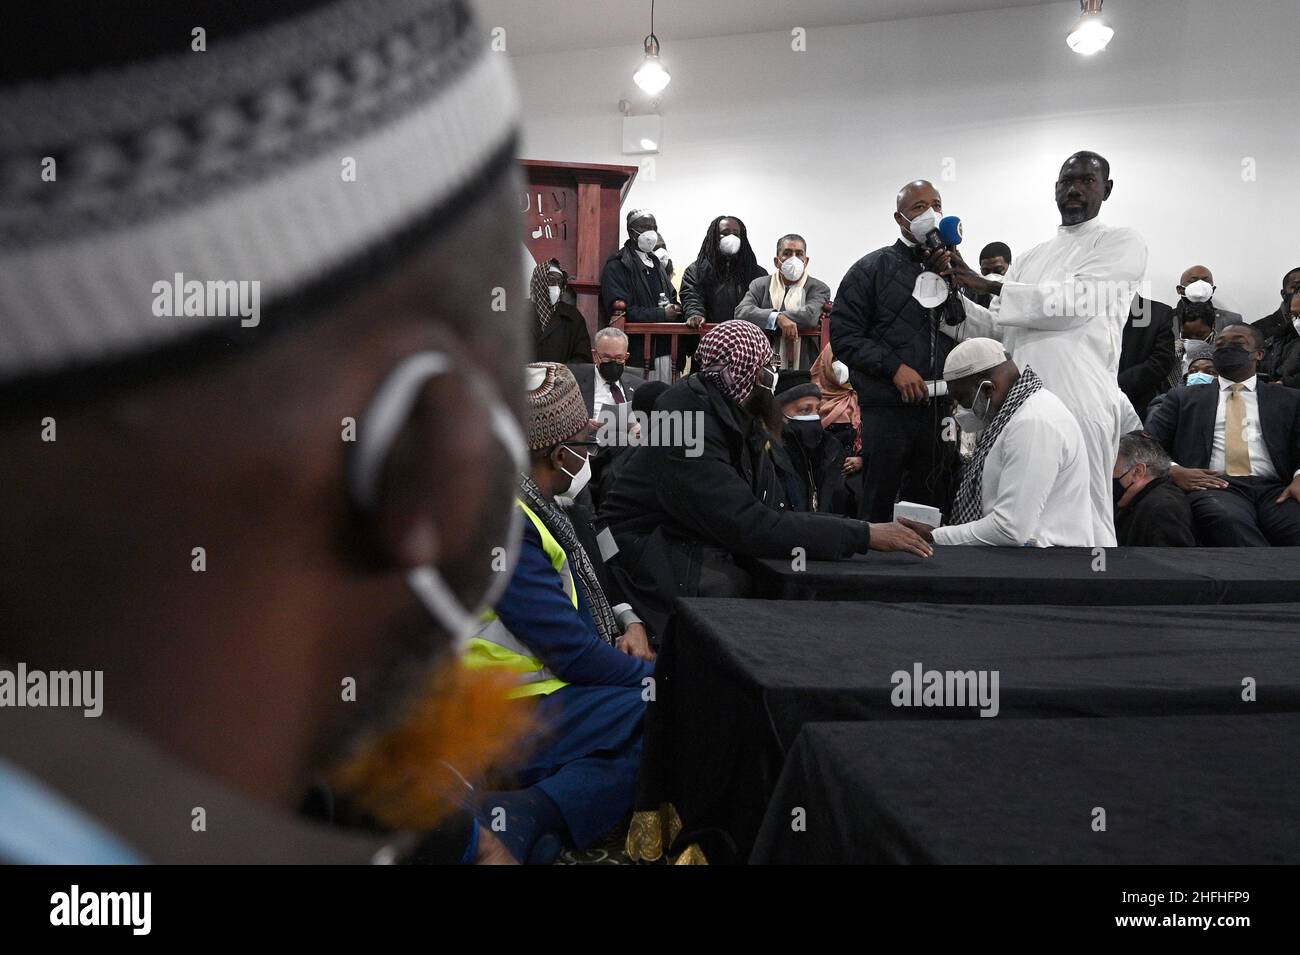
x=537, y=291
x=731, y=355
x=969, y=504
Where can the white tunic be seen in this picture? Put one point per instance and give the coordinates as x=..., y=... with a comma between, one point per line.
x=1034, y=489
x=1061, y=310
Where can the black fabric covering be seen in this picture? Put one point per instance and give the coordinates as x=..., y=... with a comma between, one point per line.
x=1047, y=575
x=737, y=679
x=1176, y=790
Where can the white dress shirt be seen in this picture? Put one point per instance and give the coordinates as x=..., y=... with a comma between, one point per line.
x=1034, y=489
x=1261, y=464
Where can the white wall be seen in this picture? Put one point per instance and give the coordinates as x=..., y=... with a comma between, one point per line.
x=819, y=142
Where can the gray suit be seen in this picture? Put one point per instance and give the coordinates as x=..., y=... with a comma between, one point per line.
x=756, y=306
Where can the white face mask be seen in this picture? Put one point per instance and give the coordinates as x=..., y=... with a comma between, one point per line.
x=577, y=484
x=380, y=424
x=972, y=420
x=1199, y=291
x=841, y=372
x=995, y=277
x=553, y=293
x=729, y=244
x=968, y=421
x=924, y=224
x=647, y=241
x=930, y=289
x=792, y=268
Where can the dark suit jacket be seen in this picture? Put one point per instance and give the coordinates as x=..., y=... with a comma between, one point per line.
x=1184, y=425
x=1147, y=354
x=632, y=379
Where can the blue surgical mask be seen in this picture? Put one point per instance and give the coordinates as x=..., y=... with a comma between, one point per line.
x=1200, y=378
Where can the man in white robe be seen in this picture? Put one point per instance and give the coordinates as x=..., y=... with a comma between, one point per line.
x=1027, y=484
x=1061, y=309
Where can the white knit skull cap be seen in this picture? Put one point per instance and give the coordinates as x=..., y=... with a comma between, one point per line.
x=151, y=191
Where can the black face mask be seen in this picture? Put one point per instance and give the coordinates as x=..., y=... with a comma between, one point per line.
x=611, y=371
x=808, y=433
x=1231, y=359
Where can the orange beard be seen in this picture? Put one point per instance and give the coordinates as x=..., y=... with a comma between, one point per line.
x=404, y=777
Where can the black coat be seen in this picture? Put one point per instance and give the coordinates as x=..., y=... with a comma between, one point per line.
x=565, y=339
x=1147, y=355
x=626, y=277
x=1281, y=349
x=704, y=293
x=1158, y=516
x=673, y=512
x=1183, y=423
x=822, y=468
x=876, y=325
x=729, y=496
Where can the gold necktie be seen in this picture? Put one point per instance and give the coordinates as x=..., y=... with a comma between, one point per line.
x=1236, y=450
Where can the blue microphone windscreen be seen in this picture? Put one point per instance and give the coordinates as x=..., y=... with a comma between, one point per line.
x=950, y=230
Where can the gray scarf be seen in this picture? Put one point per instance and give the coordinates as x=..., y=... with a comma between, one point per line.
x=969, y=504
x=557, y=522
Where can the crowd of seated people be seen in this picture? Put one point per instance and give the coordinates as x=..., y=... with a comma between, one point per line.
x=901, y=433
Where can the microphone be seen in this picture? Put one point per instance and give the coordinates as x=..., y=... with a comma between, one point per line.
x=948, y=235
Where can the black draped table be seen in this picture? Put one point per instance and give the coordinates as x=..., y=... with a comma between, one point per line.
x=1170, y=790
x=737, y=680
x=1051, y=575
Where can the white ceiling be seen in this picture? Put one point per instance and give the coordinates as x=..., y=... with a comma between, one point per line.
x=548, y=26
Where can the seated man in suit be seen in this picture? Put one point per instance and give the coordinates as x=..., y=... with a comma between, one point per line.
x=607, y=387
x=785, y=301
x=608, y=381
x=1238, y=444
x=1151, y=512
x=1146, y=357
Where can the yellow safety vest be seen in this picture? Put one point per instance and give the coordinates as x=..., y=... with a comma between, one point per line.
x=495, y=646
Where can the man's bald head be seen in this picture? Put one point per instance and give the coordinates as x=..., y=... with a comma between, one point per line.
x=1194, y=274
x=1082, y=185
x=913, y=200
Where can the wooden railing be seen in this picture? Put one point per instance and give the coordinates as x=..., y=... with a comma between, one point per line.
x=676, y=330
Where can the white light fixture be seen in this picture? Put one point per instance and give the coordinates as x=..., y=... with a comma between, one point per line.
x=1091, y=34
x=651, y=77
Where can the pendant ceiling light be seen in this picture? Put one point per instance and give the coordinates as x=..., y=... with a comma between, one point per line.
x=1092, y=33
x=651, y=77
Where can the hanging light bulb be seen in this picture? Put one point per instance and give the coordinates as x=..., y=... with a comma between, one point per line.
x=1091, y=34
x=652, y=77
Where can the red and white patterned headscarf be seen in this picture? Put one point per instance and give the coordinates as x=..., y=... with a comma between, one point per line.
x=731, y=356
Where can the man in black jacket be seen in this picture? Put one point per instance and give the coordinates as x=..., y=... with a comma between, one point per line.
x=1146, y=356
x=1238, y=444
x=684, y=509
x=892, y=345
x=1281, y=332
x=636, y=277
x=1152, y=512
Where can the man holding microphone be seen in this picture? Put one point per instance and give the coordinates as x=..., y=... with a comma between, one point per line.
x=891, y=344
